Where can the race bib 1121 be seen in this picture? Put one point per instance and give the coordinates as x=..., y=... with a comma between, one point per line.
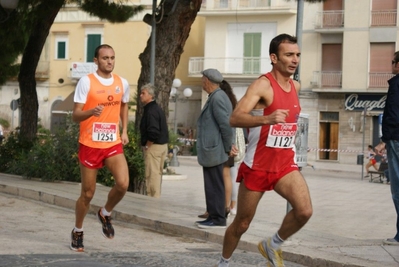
x=282, y=135
x=104, y=132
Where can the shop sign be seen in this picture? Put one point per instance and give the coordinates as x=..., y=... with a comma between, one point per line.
x=359, y=102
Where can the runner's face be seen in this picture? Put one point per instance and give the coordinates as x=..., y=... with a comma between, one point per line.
x=287, y=59
x=105, y=60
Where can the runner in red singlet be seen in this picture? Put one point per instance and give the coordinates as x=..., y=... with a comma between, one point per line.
x=270, y=110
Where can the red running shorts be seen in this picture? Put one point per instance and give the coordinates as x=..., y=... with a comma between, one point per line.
x=93, y=158
x=261, y=180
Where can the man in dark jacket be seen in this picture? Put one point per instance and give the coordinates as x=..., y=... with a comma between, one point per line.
x=390, y=135
x=154, y=139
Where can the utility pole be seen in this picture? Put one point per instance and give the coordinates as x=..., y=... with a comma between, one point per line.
x=299, y=27
x=153, y=36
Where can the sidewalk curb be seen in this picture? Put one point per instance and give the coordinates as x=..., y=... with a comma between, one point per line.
x=166, y=227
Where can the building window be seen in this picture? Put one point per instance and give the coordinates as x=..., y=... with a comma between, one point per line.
x=329, y=134
x=331, y=66
x=61, y=47
x=93, y=41
x=381, y=55
x=383, y=13
x=333, y=15
x=245, y=45
x=252, y=52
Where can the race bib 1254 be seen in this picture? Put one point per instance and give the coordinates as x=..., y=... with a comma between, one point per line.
x=104, y=132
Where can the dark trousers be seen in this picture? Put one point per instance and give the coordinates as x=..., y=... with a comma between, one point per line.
x=214, y=194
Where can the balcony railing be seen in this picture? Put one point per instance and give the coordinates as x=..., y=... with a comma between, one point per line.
x=383, y=18
x=330, y=19
x=327, y=79
x=42, y=70
x=233, y=65
x=246, y=4
x=379, y=80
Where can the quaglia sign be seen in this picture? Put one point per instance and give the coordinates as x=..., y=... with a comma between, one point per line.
x=359, y=102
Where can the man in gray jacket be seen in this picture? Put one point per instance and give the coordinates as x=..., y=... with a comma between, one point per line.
x=214, y=145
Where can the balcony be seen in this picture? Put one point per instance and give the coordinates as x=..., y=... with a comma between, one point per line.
x=330, y=19
x=227, y=7
x=233, y=66
x=42, y=70
x=383, y=18
x=379, y=80
x=327, y=79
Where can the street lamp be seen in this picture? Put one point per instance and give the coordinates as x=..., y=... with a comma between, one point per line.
x=7, y=6
x=174, y=93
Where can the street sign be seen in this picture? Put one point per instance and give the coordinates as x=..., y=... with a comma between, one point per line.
x=14, y=104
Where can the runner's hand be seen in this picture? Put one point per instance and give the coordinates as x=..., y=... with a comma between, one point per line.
x=98, y=110
x=278, y=116
x=124, y=139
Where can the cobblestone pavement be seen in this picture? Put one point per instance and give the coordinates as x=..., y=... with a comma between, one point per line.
x=37, y=234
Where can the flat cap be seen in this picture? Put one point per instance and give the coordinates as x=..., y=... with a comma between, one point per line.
x=213, y=75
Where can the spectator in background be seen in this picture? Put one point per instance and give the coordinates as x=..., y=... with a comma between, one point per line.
x=371, y=160
x=390, y=136
x=230, y=167
x=214, y=146
x=154, y=139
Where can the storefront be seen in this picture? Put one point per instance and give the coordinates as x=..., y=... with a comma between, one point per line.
x=341, y=124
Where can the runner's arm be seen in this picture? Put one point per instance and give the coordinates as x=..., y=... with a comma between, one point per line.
x=124, y=120
x=78, y=114
x=259, y=91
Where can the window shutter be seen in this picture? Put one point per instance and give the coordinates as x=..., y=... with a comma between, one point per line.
x=93, y=41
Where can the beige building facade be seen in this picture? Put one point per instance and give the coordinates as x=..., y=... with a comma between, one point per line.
x=346, y=48
x=345, y=64
x=68, y=55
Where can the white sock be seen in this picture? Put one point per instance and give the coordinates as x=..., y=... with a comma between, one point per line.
x=276, y=241
x=105, y=212
x=77, y=229
x=223, y=262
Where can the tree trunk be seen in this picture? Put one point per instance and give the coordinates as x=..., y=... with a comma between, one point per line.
x=45, y=13
x=171, y=34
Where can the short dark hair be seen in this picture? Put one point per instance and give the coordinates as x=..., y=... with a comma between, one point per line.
x=281, y=38
x=98, y=49
x=396, y=56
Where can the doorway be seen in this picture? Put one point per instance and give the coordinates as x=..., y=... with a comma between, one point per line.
x=329, y=133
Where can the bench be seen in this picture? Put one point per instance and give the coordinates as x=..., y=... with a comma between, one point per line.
x=378, y=175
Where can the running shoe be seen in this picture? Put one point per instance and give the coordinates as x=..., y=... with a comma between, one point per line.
x=105, y=221
x=77, y=241
x=275, y=257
